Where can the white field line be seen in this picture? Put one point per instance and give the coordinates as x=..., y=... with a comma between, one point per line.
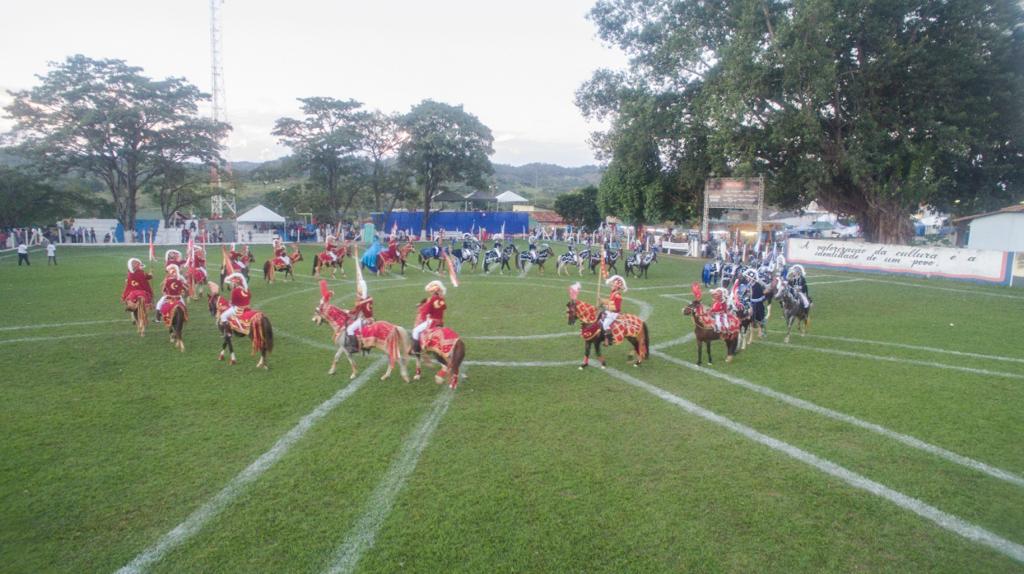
x=362, y=535
x=919, y=348
x=522, y=363
x=522, y=337
x=666, y=344
x=306, y=341
x=56, y=325
x=288, y=294
x=895, y=360
x=947, y=521
x=974, y=292
x=680, y=287
x=30, y=252
x=211, y=508
x=836, y=415
x=836, y=282
x=677, y=296
x=61, y=337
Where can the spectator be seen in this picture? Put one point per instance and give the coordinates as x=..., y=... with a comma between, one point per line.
x=51, y=254
x=92, y=234
x=23, y=254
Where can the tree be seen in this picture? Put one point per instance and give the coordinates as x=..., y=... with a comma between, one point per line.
x=579, y=208
x=178, y=188
x=381, y=137
x=445, y=144
x=27, y=199
x=325, y=142
x=871, y=108
x=106, y=119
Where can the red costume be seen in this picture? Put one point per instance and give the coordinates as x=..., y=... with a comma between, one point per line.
x=174, y=289
x=280, y=251
x=364, y=307
x=137, y=284
x=615, y=302
x=718, y=306
x=240, y=298
x=433, y=308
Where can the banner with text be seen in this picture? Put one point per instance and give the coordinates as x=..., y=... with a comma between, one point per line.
x=953, y=263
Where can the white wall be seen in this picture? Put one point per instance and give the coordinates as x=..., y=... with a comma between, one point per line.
x=1002, y=232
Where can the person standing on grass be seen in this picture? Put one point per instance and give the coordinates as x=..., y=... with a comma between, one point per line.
x=51, y=254
x=23, y=254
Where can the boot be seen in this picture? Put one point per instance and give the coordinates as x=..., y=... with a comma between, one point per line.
x=416, y=347
x=608, y=339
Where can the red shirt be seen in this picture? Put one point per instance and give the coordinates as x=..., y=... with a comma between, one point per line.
x=279, y=252
x=198, y=260
x=137, y=281
x=718, y=307
x=174, y=287
x=240, y=298
x=363, y=307
x=433, y=308
x=615, y=302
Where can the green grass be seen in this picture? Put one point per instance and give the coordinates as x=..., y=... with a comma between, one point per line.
x=110, y=441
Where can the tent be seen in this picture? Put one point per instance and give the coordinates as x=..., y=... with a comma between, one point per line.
x=260, y=214
x=511, y=197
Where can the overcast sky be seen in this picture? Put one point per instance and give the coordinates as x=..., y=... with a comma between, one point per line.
x=515, y=65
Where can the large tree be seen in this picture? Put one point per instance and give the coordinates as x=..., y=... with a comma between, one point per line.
x=325, y=141
x=180, y=187
x=579, y=208
x=106, y=119
x=872, y=108
x=445, y=144
x=380, y=138
x=26, y=198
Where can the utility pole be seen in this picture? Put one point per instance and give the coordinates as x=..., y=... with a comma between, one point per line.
x=224, y=199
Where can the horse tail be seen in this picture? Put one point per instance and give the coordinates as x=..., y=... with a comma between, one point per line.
x=268, y=270
x=645, y=341
x=457, y=356
x=178, y=321
x=262, y=335
x=140, y=311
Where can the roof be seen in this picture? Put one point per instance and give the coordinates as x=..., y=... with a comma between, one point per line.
x=547, y=217
x=1016, y=208
x=511, y=197
x=448, y=195
x=260, y=214
x=480, y=196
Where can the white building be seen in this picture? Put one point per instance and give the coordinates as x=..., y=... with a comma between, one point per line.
x=1001, y=230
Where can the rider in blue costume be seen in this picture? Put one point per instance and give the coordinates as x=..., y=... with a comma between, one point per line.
x=369, y=259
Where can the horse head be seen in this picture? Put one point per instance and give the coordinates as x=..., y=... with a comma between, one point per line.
x=570, y=311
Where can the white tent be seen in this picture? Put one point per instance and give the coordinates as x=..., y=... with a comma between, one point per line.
x=511, y=197
x=260, y=214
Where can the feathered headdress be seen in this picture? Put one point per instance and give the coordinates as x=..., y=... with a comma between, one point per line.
x=695, y=288
x=239, y=277
x=325, y=293
x=574, y=290
x=435, y=285
x=173, y=267
x=141, y=266
x=617, y=279
x=167, y=255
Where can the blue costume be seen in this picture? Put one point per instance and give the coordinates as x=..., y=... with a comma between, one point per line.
x=369, y=259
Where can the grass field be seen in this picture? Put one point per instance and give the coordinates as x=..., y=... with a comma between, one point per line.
x=887, y=440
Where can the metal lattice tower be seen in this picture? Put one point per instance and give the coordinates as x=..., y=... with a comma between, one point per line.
x=224, y=200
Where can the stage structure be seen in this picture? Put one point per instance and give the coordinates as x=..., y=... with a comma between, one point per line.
x=733, y=194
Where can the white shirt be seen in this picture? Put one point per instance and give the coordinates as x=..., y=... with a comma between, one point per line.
x=51, y=250
x=23, y=249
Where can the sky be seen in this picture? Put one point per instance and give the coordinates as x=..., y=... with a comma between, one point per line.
x=514, y=65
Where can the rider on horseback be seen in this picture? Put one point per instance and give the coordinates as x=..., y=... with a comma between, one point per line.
x=362, y=315
x=798, y=281
x=719, y=310
x=430, y=312
x=330, y=248
x=280, y=253
x=240, y=297
x=137, y=281
x=173, y=288
x=612, y=306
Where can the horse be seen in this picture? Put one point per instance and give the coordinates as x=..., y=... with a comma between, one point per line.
x=626, y=327
x=705, y=332
x=335, y=263
x=447, y=347
x=570, y=258
x=465, y=254
x=611, y=257
x=253, y=324
x=385, y=260
x=387, y=337
x=270, y=266
x=175, y=322
x=524, y=261
x=638, y=263
x=138, y=308
x=794, y=311
x=428, y=254
x=196, y=279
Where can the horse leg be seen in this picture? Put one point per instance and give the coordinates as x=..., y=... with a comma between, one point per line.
x=789, y=328
x=337, y=355
x=586, y=355
x=708, y=343
x=231, y=346
x=700, y=352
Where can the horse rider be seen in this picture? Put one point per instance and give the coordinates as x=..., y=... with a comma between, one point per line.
x=239, y=260
x=430, y=312
x=533, y=249
x=798, y=281
x=612, y=305
x=280, y=253
x=757, y=298
x=719, y=310
x=241, y=297
x=362, y=314
x=331, y=247
x=137, y=281
x=174, y=289
x=173, y=257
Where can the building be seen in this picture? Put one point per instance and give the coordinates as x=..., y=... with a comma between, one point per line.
x=1001, y=230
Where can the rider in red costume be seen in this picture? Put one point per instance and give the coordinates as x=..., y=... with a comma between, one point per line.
x=137, y=282
x=241, y=298
x=174, y=290
x=431, y=312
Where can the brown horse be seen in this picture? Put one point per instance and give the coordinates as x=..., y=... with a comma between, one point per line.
x=270, y=267
x=138, y=308
x=447, y=347
x=387, y=337
x=324, y=260
x=625, y=328
x=256, y=325
x=705, y=332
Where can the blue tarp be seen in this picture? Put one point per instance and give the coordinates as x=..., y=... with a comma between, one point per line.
x=514, y=221
x=141, y=227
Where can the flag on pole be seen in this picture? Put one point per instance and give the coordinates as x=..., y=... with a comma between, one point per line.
x=225, y=261
x=604, y=265
x=394, y=229
x=503, y=230
x=451, y=269
x=152, y=252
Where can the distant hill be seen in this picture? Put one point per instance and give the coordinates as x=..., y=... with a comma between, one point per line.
x=545, y=178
